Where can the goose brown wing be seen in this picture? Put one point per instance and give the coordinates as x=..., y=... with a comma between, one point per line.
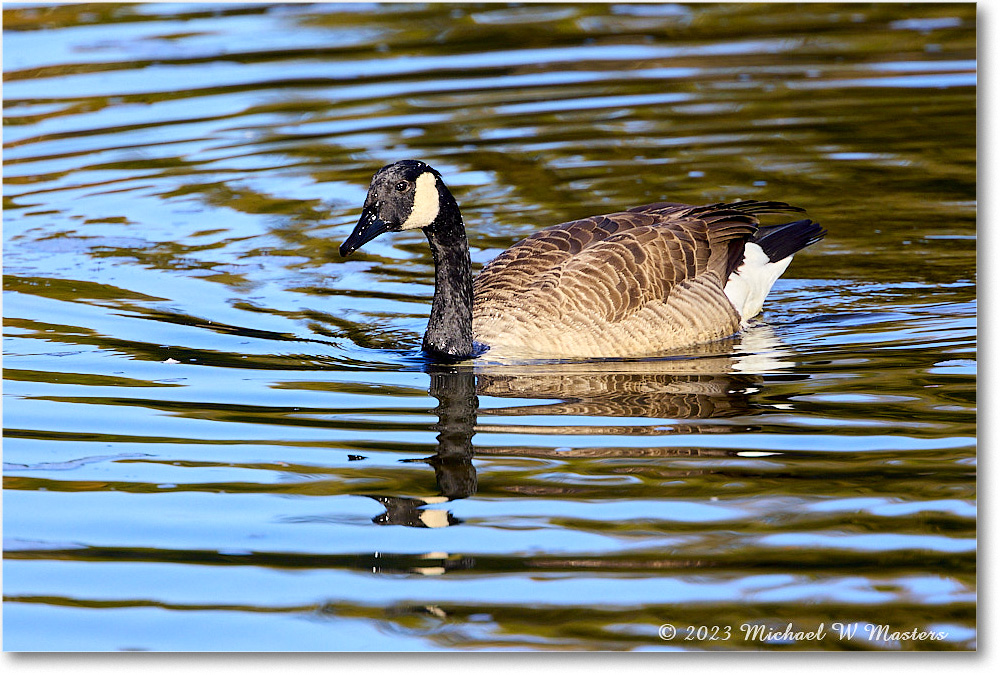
x=611, y=266
x=517, y=268
x=722, y=216
x=627, y=271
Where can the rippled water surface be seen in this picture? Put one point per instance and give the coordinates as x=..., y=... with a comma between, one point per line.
x=221, y=435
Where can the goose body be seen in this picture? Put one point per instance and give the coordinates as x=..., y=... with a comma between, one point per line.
x=656, y=277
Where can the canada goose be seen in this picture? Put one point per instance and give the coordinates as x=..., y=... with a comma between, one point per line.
x=649, y=279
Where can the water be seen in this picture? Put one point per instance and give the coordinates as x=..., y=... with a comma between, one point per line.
x=221, y=436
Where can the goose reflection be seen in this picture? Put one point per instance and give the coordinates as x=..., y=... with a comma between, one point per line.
x=454, y=473
x=713, y=381
x=716, y=381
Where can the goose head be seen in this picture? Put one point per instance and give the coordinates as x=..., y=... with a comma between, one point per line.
x=406, y=195
x=410, y=195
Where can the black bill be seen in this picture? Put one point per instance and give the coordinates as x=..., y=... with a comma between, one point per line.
x=369, y=227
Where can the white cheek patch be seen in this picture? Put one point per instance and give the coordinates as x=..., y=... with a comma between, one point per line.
x=426, y=203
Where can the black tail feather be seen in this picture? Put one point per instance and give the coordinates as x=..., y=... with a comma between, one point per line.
x=781, y=241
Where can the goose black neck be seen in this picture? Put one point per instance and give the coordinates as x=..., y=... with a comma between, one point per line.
x=449, y=330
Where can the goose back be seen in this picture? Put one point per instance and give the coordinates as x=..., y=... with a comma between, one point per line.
x=638, y=281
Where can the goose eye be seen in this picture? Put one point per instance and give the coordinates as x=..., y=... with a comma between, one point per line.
x=402, y=185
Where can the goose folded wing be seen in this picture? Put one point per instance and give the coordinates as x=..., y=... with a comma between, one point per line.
x=615, y=277
x=518, y=268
